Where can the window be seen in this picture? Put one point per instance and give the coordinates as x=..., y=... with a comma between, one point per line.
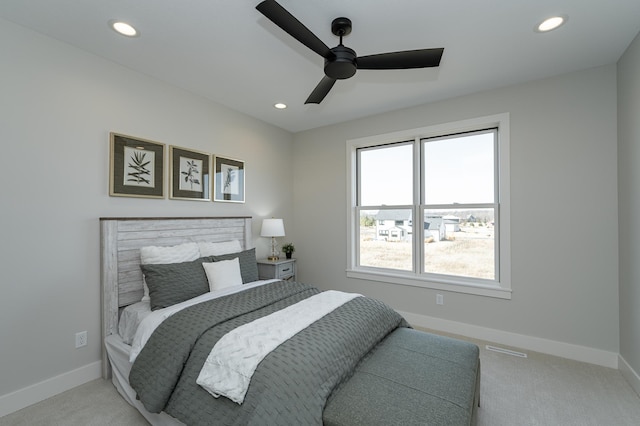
x=455, y=179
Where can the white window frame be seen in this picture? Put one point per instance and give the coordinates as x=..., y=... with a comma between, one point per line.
x=501, y=288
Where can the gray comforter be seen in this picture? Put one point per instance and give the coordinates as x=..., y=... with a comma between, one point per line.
x=290, y=386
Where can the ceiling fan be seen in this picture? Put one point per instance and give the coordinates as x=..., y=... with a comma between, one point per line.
x=342, y=62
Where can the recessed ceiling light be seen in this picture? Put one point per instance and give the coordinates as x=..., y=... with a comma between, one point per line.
x=280, y=105
x=550, y=24
x=123, y=28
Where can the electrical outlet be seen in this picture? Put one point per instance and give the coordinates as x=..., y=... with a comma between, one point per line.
x=439, y=299
x=81, y=339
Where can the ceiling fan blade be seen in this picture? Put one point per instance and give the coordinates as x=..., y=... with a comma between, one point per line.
x=421, y=58
x=321, y=90
x=282, y=18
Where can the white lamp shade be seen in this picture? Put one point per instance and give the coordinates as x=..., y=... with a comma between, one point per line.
x=272, y=228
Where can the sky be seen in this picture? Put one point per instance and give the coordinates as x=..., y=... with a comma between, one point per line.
x=458, y=169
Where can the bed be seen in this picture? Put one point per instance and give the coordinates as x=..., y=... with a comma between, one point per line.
x=250, y=351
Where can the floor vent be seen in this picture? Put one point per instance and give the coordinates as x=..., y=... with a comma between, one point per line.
x=506, y=351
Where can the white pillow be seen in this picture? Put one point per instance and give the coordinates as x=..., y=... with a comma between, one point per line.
x=154, y=255
x=162, y=255
x=218, y=249
x=223, y=274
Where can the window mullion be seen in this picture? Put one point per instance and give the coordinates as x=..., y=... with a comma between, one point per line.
x=496, y=244
x=418, y=191
x=497, y=199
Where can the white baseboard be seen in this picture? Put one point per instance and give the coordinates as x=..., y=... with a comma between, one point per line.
x=546, y=346
x=630, y=374
x=24, y=397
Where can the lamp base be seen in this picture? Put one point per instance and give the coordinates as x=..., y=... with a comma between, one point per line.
x=273, y=258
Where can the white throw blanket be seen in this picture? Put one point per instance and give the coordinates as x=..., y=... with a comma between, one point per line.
x=235, y=357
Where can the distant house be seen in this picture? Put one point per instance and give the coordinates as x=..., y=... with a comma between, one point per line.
x=396, y=225
x=435, y=227
x=452, y=223
x=393, y=225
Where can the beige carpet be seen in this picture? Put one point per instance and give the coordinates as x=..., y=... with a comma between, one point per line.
x=546, y=390
x=537, y=390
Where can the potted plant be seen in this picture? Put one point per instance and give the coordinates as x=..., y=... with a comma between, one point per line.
x=288, y=249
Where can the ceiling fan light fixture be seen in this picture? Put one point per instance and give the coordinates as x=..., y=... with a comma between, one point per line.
x=123, y=28
x=551, y=24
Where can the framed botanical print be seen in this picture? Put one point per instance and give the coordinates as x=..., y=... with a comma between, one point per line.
x=136, y=167
x=229, y=180
x=190, y=174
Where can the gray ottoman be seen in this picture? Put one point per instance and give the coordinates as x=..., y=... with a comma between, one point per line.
x=410, y=378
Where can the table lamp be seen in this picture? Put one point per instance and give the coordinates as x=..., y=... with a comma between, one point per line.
x=272, y=228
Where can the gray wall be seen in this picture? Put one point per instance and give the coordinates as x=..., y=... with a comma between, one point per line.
x=57, y=107
x=564, y=202
x=629, y=202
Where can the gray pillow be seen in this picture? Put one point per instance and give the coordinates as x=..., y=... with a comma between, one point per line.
x=175, y=282
x=248, y=264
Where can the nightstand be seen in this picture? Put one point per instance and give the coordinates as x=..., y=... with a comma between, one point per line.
x=281, y=269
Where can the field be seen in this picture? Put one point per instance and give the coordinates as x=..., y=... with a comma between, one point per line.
x=469, y=253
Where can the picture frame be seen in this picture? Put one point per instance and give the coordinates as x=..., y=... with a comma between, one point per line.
x=136, y=167
x=229, y=180
x=190, y=177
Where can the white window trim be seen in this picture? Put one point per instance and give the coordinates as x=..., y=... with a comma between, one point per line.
x=501, y=290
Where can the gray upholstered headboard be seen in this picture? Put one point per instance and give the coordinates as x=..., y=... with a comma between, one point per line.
x=120, y=243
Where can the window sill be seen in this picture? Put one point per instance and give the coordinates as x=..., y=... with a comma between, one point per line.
x=444, y=285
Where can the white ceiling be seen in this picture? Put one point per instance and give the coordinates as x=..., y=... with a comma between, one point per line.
x=227, y=51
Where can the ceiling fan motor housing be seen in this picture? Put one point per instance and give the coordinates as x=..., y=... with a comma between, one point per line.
x=343, y=65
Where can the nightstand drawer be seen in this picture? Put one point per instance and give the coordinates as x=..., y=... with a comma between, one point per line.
x=281, y=269
x=286, y=270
